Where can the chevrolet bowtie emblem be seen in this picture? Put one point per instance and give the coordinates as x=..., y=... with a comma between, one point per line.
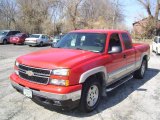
x=29, y=73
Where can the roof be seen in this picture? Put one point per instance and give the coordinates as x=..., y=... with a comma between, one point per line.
x=98, y=30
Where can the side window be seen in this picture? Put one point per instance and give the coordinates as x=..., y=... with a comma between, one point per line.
x=155, y=39
x=9, y=33
x=126, y=40
x=43, y=37
x=15, y=32
x=114, y=41
x=46, y=37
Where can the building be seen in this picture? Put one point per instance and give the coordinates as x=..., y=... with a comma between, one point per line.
x=145, y=28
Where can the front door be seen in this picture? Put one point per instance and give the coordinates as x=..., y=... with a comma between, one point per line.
x=117, y=65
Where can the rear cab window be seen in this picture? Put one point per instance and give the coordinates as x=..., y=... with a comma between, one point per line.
x=126, y=40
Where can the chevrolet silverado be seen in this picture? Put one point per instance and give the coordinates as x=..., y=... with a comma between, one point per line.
x=81, y=68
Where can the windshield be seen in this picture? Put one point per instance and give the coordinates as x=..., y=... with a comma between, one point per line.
x=94, y=42
x=19, y=34
x=56, y=37
x=34, y=36
x=3, y=32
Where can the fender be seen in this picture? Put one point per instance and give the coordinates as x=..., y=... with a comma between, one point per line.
x=93, y=71
x=138, y=64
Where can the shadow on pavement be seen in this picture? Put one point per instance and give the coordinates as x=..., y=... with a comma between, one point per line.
x=114, y=97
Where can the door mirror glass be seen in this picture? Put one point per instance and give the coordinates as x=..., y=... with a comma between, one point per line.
x=115, y=49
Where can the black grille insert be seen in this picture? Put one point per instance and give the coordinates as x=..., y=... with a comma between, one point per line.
x=39, y=75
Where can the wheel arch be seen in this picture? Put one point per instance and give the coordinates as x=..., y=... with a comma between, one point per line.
x=100, y=73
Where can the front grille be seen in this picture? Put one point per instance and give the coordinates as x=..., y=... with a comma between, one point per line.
x=40, y=75
x=35, y=70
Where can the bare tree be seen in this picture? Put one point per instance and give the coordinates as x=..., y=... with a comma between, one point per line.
x=153, y=16
x=8, y=13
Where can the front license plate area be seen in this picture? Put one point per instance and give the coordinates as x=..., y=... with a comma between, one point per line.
x=27, y=92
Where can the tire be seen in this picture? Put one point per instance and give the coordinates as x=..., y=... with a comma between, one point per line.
x=30, y=45
x=14, y=43
x=4, y=42
x=157, y=51
x=41, y=44
x=152, y=49
x=91, y=94
x=139, y=74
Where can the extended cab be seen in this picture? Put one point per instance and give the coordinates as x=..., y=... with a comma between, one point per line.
x=83, y=66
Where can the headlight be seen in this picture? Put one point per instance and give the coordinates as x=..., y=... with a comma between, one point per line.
x=59, y=82
x=16, y=63
x=62, y=72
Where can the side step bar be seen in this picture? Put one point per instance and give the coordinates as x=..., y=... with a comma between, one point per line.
x=118, y=83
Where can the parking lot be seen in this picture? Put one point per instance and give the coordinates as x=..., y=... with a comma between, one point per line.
x=134, y=100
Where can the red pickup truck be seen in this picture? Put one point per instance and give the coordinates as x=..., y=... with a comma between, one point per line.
x=83, y=66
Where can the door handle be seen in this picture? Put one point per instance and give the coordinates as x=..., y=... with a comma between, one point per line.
x=124, y=56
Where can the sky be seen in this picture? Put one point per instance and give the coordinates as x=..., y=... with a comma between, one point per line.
x=133, y=12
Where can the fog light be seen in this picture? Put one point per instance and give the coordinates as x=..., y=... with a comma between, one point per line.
x=59, y=82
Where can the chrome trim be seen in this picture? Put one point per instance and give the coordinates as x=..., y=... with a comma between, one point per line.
x=54, y=96
x=36, y=68
x=36, y=82
x=37, y=74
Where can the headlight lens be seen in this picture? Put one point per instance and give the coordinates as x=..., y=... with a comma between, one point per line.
x=59, y=82
x=16, y=63
x=62, y=72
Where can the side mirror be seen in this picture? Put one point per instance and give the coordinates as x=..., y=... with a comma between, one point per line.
x=115, y=49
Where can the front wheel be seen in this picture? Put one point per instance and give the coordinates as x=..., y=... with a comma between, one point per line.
x=139, y=74
x=4, y=42
x=91, y=95
x=41, y=44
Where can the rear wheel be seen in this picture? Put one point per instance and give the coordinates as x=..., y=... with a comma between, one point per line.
x=157, y=51
x=152, y=49
x=41, y=44
x=139, y=74
x=91, y=95
x=4, y=42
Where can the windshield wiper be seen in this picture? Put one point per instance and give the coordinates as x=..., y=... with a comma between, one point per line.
x=86, y=50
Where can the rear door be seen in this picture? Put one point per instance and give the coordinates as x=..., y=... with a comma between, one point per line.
x=129, y=52
x=117, y=66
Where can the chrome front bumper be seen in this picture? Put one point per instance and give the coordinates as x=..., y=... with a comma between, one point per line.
x=53, y=96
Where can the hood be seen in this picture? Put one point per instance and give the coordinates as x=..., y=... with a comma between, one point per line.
x=57, y=58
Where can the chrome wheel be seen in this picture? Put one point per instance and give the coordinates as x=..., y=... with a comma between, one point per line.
x=92, y=96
